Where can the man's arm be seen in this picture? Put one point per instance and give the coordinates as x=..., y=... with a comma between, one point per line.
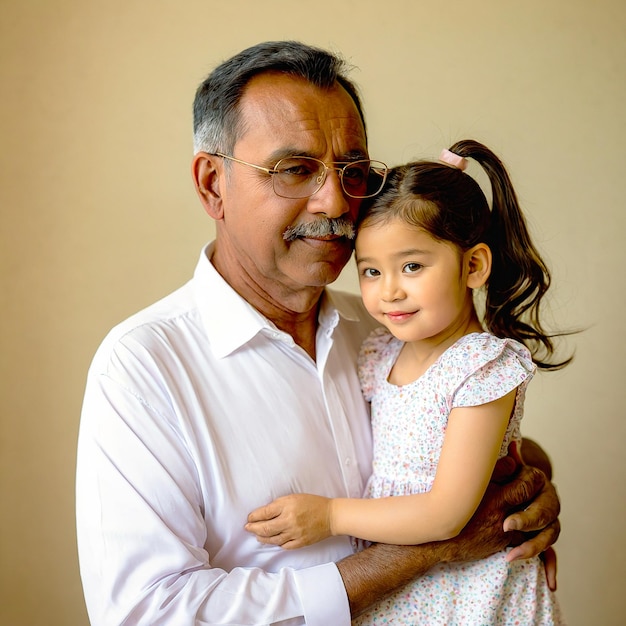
x=368, y=576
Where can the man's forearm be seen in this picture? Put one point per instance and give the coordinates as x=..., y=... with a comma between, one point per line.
x=380, y=570
x=373, y=574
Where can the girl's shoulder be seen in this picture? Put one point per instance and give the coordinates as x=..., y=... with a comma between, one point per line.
x=487, y=367
x=484, y=347
x=489, y=343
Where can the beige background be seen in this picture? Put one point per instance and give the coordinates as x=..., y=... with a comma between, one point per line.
x=99, y=218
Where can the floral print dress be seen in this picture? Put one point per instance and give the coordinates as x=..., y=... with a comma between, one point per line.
x=409, y=423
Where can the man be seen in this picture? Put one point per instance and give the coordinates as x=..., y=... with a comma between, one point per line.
x=241, y=386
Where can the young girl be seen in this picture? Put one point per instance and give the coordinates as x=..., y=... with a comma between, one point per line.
x=446, y=389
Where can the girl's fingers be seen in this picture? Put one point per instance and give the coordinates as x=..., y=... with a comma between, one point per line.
x=265, y=529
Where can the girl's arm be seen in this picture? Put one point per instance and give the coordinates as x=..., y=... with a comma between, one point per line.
x=469, y=453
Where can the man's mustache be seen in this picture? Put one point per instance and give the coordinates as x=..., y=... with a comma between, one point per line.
x=322, y=227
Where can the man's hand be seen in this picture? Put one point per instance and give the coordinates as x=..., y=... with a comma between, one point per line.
x=540, y=515
x=520, y=508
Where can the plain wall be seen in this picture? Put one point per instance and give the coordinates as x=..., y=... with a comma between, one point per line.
x=99, y=218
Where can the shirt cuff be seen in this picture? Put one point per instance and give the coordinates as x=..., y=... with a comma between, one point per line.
x=323, y=595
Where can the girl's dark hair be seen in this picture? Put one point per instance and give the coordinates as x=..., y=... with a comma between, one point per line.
x=451, y=206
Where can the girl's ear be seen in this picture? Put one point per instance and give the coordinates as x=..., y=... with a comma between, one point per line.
x=478, y=260
x=207, y=171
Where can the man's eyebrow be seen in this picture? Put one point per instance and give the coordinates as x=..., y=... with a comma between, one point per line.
x=354, y=155
x=283, y=153
x=288, y=152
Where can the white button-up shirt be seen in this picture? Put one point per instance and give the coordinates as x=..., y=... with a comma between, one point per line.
x=197, y=411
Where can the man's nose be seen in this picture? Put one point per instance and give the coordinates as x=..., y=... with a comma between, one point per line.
x=330, y=199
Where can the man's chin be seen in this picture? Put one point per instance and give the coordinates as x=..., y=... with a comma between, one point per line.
x=321, y=274
x=319, y=262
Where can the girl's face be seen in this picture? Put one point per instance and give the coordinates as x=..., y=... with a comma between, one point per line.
x=413, y=284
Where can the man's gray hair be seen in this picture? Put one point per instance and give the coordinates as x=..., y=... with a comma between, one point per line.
x=216, y=117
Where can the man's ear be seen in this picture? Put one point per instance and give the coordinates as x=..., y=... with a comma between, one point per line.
x=207, y=171
x=478, y=260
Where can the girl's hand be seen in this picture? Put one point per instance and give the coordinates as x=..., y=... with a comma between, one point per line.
x=292, y=521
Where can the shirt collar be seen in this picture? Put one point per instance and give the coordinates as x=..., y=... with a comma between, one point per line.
x=230, y=321
x=334, y=307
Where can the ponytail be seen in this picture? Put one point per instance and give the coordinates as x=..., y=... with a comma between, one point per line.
x=519, y=277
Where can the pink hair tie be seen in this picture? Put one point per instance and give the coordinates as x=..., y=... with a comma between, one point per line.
x=453, y=159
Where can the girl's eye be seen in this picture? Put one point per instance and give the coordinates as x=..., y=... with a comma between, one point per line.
x=411, y=268
x=370, y=272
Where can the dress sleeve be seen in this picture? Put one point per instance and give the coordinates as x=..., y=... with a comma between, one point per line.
x=489, y=368
x=372, y=354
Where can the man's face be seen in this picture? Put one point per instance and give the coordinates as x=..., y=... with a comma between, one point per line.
x=283, y=117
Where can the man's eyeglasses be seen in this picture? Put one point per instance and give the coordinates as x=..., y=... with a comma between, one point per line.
x=301, y=177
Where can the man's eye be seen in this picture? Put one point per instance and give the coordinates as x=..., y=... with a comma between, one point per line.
x=293, y=167
x=355, y=173
x=296, y=170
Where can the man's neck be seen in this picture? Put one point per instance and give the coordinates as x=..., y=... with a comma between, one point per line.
x=292, y=311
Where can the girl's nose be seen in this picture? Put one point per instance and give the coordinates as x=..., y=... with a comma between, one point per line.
x=391, y=290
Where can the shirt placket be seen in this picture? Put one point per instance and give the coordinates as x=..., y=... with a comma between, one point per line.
x=338, y=420
x=344, y=443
